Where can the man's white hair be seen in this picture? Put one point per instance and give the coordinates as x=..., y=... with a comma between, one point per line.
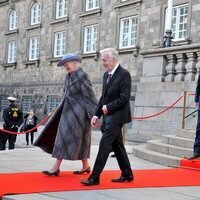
x=111, y=52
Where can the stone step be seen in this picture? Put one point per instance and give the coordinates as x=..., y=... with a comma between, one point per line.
x=158, y=146
x=186, y=133
x=178, y=141
x=142, y=152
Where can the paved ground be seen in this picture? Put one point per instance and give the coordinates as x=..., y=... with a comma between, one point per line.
x=28, y=158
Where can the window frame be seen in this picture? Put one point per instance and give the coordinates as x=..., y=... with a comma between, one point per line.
x=85, y=40
x=4, y=103
x=49, y=103
x=95, y=3
x=12, y=51
x=177, y=24
x=34, y=47
x=62, y=46
x=28, y=104
x=35, y=17
x=121, y=27
x=61, y=13
x=13, y=20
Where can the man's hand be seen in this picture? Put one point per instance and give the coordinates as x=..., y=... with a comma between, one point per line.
x=105, y=110
x=197, y=104
x=94, y=120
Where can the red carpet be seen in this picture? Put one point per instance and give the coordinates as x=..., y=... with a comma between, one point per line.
x=193, y=164
x=35, y=182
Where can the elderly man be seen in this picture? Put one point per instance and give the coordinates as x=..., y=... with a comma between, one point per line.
x=13, y=118
x=115, y=109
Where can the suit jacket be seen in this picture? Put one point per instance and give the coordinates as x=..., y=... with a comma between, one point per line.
x=116, y=96
x=197, y=94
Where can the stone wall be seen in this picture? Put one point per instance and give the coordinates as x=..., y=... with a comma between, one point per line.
x=26, y=76
x=167, y=74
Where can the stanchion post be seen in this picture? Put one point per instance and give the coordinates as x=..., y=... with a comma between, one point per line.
x=184, y=109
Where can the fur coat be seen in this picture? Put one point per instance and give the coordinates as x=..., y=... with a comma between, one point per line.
x=67, y=134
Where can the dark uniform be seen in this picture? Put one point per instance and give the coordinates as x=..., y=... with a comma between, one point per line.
x=13, y=118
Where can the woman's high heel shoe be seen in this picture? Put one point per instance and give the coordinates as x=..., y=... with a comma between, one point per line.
x=56, y=173
x=83, y=171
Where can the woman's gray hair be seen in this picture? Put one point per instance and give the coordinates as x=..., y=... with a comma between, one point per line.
x=111, y=52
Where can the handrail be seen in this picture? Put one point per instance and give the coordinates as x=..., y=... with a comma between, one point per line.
x=191, y=113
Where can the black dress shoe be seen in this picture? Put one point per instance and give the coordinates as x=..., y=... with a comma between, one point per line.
x=56, y=173
x=90, y=182
x=195, y=156
x=82, y=171
x=123, y=179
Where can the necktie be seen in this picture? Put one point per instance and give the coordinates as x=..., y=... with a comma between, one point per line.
x=108, y=78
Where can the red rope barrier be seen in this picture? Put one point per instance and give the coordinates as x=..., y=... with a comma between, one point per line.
x=137, y=118
x=39, y=124
x=157, y=114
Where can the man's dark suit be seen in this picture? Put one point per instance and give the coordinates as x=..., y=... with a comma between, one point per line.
x=115, y=95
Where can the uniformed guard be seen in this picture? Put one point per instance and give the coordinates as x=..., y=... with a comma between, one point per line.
x=13, y=118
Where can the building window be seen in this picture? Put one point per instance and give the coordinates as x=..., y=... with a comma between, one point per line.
x=92, y=4
x=59, y=44
x=128, y=32
x=12, y=52
x=4, y=103
x=34, y=48
x=52, y=103
x=35, y=14
x=13, y=20
x=179, y=22
x=61, y=8
x=90, y=39
x=26, y=104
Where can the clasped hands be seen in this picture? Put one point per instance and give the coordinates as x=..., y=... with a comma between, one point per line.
x=95, y=119
x=14, y=126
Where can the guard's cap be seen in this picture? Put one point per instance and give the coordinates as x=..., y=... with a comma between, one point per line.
x=69, y=57
x=11, y=98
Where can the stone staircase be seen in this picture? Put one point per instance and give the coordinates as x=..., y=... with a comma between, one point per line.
x=169, y=150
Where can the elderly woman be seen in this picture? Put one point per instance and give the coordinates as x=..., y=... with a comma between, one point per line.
x=67, y=135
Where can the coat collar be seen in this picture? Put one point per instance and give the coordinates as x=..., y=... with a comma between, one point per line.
x=75, y=76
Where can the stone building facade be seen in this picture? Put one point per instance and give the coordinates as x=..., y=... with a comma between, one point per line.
x=36, y=33
x=37, y=82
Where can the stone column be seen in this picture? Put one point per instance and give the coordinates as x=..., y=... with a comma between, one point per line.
x=180, y=67
x=191, y=66
x=170, y=68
